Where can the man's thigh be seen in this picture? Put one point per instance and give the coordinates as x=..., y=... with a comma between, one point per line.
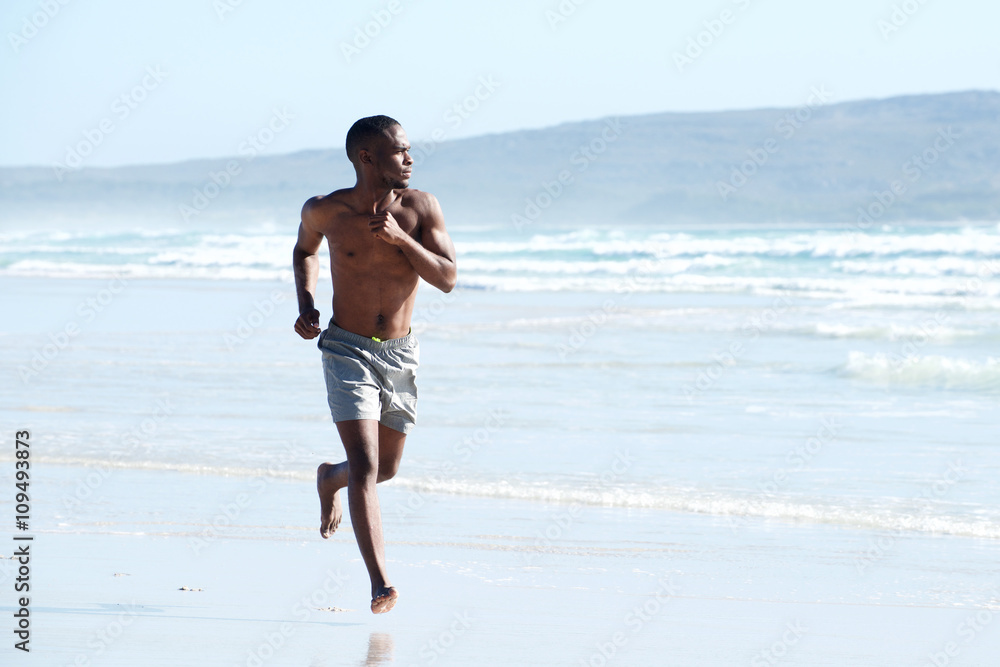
x=390, y=449
x=370, y=440
x=360, y=438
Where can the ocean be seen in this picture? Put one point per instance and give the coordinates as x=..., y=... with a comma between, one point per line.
x=798, y=373
x=726, y=381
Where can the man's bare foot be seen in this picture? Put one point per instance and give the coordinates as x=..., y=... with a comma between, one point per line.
x=329, y=502
x=384, y=600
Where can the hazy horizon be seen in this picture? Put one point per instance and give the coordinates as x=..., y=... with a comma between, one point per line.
x=430, y=140
x=192, y=80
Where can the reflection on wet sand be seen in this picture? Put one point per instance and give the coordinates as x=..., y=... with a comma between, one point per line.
x=380, y=648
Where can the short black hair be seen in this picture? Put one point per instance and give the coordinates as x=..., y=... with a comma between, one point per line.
x=364, y=131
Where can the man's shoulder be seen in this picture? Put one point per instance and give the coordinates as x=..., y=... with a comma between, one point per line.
x=418, y=200
x=336, y=199
x=412, y=195
x=320, y=208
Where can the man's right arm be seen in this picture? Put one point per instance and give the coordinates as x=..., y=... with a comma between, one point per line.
x=305, y=266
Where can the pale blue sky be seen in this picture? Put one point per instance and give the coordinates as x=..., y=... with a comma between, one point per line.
x=225, y=75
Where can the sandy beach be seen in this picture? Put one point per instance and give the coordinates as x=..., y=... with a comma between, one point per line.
x=478, y=584
x=563, y=501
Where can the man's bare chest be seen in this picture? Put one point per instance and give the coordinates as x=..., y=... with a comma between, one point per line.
x=350, y=238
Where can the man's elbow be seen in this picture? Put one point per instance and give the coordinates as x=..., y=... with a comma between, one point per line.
x=301, y=255
x=446, y=284
x=450, y=280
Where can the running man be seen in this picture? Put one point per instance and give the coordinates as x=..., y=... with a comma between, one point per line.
x=383, y=238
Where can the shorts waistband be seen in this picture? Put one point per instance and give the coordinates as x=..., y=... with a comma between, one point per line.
x=336, y=333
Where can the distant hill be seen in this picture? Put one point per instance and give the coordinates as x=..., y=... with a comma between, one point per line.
x=780, y=165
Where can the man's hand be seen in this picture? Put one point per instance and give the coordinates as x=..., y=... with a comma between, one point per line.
x=385, y=227
x=307, y=325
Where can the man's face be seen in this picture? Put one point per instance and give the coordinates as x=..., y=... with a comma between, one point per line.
x=392, y=158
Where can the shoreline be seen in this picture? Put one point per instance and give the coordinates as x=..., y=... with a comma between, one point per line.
x=474, y=575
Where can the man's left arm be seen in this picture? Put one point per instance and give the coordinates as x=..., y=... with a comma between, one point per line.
x=433, y=257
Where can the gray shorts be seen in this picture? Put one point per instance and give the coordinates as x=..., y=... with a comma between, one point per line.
x=367, y=379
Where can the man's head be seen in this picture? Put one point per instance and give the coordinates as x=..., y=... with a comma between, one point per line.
x=377, y=146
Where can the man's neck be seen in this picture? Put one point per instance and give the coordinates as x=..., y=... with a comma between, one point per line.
x=371, y=198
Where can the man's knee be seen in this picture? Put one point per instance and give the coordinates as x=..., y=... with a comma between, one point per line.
x=387, y=469
x=362, y=469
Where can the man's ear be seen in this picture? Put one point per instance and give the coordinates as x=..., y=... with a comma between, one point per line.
x=365, y=156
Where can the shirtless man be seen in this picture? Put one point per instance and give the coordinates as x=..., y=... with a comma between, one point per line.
x=383, y=238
